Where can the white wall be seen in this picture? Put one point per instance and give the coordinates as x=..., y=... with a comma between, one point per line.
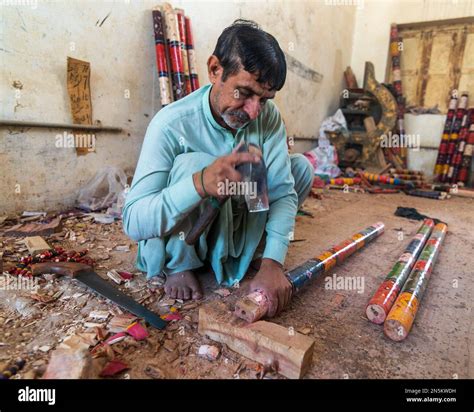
x=372, y=29
x=37, y=37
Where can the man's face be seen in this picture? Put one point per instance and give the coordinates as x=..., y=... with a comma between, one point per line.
x=239, y=99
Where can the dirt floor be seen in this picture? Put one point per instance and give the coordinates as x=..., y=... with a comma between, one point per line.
x=440, y=345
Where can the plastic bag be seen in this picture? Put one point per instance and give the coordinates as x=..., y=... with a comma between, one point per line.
x=324, y=157
x=324, y=160
x=335, y=123
x=116, y=209
x=103, y=189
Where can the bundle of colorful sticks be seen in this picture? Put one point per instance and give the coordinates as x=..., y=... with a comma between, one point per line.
x=457, y=142
x=175, y=58
x=415, y=176
x=397, y=300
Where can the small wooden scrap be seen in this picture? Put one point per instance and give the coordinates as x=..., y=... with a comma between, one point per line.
x=170, y=345
x=36, y=245
x=112, y=274
x=222, y=292
x=209, y=352
x=99, y=314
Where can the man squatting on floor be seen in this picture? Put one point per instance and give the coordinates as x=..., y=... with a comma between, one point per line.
x=188, y=151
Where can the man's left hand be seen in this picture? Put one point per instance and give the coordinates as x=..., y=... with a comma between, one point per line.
x=272, y=281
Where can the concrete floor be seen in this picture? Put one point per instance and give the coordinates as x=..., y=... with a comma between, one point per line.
x=440, y=344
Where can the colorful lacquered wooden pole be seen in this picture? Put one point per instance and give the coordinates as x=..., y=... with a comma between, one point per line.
x=443, y=145
x=466, y=156
x=463, y=136
x=174, y=51
x=184, y=51
x=453, y=138
x=400, y=318
x=255, y=305
x=341, y=181
x=382, y=301
x=161, y=62
x=375, y=178
x=405, y=171
x=191, y=56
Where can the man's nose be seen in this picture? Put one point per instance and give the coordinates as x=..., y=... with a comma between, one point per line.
x=252, y=108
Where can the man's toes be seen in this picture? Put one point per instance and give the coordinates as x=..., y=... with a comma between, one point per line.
x=187, y=293
x=180, y=293
x=172, y=293
x=197, y=294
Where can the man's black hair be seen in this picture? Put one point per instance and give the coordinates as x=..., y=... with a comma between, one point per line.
x=244, y=45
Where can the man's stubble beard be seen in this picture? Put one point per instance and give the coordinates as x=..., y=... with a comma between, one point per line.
x=227, y=115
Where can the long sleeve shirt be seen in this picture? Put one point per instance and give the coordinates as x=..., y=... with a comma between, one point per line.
x=154, y=207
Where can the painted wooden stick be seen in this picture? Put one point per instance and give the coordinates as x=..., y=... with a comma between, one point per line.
x=429, y=194
x=467, y=156
x=375, y=178
x=384, y=298
x=458, y=124
x=443, y=145
x=174, y=51
x=191, y=55
x=405, y=171
x=184, y=51
x=341, y=181
x=161, y=62
x=453, y=136
x=255, y=305
x=400, y=318
x=463, y=135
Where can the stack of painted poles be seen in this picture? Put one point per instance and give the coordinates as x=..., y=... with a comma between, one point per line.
x=464, y=150
x=395, y=53
x=175, y=58
x=397, y=300
x=415, y=176
x=455, y=130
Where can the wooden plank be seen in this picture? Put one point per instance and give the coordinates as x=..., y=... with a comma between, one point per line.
x=34, y=229
x=287, y=351
x=36, y=244
x=79, y=90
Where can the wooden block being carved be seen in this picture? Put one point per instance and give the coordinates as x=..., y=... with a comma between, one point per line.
x=36, y=244
x=288, y=351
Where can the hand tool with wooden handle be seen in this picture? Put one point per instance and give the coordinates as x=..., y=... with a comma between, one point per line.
x=84, y=274
x=251, y=173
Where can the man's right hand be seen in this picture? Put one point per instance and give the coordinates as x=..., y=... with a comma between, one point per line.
x=223, y=168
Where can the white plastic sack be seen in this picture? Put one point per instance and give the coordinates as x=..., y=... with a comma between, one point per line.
x=103, y=189
x=334, y=123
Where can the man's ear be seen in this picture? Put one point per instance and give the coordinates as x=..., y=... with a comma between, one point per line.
x=214, y=69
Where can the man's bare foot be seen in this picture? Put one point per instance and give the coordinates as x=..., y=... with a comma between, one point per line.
x=183, y=285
